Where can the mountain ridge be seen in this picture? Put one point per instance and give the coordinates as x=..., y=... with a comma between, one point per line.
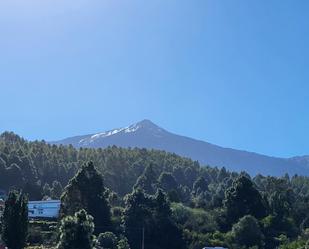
x=146, y=134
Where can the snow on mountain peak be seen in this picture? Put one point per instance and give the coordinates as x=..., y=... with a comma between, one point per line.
x=144, y=124
x=128, y=129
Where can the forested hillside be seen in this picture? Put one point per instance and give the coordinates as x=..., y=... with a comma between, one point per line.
x=24, y=163
x=163, y=194
x=146, y=134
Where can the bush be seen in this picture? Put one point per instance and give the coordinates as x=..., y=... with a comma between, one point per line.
x=123, y=244
x=107, y=240
x=247, y=232
x=35, y=236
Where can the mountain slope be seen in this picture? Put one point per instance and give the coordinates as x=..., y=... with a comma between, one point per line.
x=146, y=134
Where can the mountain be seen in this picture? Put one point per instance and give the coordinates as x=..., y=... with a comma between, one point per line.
x=146, y=134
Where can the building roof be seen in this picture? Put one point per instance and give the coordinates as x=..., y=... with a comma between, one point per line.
x=44, y=201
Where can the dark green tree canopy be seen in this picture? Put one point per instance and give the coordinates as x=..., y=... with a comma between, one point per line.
x=147, y=181
x=108, y=240
x=212, y=211
x=243, y=198
x=15, y=220
x=56, y=190
x=167, y=182
x=76, y=232
x=86, y=191
x=153, y=214
x=200, y=185
x=247, y=232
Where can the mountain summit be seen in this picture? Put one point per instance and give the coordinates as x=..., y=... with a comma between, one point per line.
x=146, y=134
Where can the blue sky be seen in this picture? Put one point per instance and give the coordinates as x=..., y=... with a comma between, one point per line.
x=234, y=73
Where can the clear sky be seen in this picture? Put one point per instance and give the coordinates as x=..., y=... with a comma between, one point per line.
x=234, y=73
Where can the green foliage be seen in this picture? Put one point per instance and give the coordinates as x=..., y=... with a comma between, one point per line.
x=76, y=232
x=200, y=185
x=56, y=190
x=35, y=236
x=194, y=219
x=242, y=198
x=123, y=244
x=299, y=244
x=196, y=240
x=167, y=182
x=147, y=181
x=15, y=220
x=86, y=191
x=33, y=190
x=120, y=167
x=247, y=232
x=42, y=232
x=274, y=226
x=209, y=200
x=302, y=242
x=46, y=190
x=107, y=240
x=166, y=233
x=153, y=214
x=137, y=215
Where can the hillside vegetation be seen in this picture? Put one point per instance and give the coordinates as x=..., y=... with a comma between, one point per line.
x=127, y=191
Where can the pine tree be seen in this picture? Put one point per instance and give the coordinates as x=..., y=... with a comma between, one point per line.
x=123, y=244
x=247, y=232
x=137, y=215
x=107, y=240
x=86, y=191
x=165, y=233
x=56, y=190
x=200, y=185
x=153, y=214
x=15, y=221
x=147, y=181
x=167, y=182
x=76, y=232
x=241, y=199
x=46, y=190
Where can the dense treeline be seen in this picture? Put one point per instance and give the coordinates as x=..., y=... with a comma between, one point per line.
x=24, y=163
x=160, y=194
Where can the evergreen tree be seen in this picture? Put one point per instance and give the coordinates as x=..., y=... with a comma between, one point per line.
x=107, y=240
x=14, y=176
x=33, y=190
x=76, y=232
x=56, y=190
x=46, y=190
x=86, y=191
x=243, y=198
x=200, y=185
x=137, y=215
x=153, y=214
x=15, y=221
x=123, y=244
x=167, y=182
x=147, y=181
x=247, y=232
x=165, y=233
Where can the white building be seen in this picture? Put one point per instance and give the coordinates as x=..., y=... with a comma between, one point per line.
x=44, y=209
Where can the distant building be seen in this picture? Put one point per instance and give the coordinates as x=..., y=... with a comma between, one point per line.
x=44, y=209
